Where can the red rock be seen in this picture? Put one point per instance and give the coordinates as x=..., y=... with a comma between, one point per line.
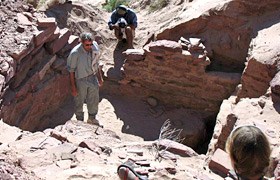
x=41, y=36
x=177, y=148
x=171, y=170
x=275, y=84
x=60, y=42
x=55, y=35
x=21, y=72
x=163, y=46
x=135, y=151
x=46, y=22
x=47, y=66
x=26, y=64
x=134, y=54
x=143, y=163
x=220, y=163
x=91, y=145
x=19, y=54
x=72, y=42
x=23, y=20
x=57, y=135
x=142, y=171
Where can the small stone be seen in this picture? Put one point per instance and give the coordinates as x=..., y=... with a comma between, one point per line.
x=171, y=170
x=262, y=103
x=135, y=151
x=152, y=101
x=122, y=156
x=20, y=29
x=142, y=163
x=152, y=169
x=141, y=171
x=271, y=133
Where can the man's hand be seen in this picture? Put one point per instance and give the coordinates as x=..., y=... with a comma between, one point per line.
x=112, y=26
x=74, y=92
x=100, y=83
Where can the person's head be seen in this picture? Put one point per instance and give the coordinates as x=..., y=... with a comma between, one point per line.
x=86, y=40
x=249, y=151
x=121, y=10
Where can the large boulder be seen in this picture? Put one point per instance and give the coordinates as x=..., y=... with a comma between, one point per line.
x=262, y=63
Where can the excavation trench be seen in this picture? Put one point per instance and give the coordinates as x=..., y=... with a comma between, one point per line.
x=165, y=83
x=39, y=98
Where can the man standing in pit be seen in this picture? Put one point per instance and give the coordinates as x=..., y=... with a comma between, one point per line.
x=85, y=77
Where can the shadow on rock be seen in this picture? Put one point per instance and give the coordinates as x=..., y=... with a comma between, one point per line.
x=115, y=73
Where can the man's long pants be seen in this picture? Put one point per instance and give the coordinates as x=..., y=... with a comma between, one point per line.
x=88, y=92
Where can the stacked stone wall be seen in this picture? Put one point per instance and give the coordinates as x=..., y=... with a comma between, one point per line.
x=35, y=80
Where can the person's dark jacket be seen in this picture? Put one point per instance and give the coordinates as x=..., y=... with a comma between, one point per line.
x=130, y=18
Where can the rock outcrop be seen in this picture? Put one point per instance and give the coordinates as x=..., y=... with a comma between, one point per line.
x=262, y=63
x=35, y=80
x=257, y=99
x=227, y=28
x=231, y=38
x=177, y=75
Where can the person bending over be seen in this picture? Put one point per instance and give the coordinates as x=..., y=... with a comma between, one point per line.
x=123, y=21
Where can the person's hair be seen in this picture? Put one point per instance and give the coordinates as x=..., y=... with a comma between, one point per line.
x=86, y=36
x=121, y=6
x=121, y=9
x=249, y=151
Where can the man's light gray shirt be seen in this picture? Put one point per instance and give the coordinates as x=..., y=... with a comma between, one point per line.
x=83, y=63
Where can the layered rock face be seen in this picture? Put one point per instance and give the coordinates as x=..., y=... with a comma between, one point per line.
x=257, y=99
x=226, y=27
x=260, y=81
x=239, y=36
x=177, y=74
x=262, y=63
x=34, y=78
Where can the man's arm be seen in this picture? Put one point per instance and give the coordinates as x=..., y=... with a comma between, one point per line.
x=97, y=60
x=112, y=21
x=133, y=20
x=71, y=66
x=73, y=84
x=99, y=76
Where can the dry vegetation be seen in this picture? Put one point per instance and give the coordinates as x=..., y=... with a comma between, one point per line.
x=166, y=132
